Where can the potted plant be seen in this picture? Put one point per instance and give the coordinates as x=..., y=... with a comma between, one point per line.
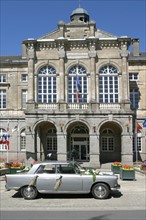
x=115, y=167
x=127, y=172
x=8, y=164
x=15, y=167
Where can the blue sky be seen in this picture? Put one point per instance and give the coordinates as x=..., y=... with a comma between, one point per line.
x=23, y=19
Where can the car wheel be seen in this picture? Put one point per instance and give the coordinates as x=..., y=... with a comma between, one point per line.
x=29, y=192
x=100, y=191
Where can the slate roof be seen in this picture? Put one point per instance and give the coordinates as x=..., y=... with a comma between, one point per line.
x=12, y=59
x=141, y=57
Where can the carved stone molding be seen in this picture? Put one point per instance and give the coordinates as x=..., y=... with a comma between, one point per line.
x=61, y=53
x=92, y=54
x=108, y=44
x=124, y=52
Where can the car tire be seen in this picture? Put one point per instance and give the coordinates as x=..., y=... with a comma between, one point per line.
x=100, y=191
x=29, y=192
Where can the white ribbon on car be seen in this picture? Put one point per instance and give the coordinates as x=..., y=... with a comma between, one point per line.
x=33, y=181
x=58, y=183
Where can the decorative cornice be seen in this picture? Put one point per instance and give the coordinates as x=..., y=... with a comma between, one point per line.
x=108, y=44
x=97, y=43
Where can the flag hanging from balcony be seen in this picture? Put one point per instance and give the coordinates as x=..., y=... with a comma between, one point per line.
x=144, y=123
x=138, y=127
x=78, y=88
x=5, y=140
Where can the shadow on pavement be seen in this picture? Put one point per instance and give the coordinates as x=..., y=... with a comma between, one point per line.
x=104, y=217
x=116, y=194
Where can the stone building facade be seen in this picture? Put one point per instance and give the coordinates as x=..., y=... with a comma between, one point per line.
x=75, y=93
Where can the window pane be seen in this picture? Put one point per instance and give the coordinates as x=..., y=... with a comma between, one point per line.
x=47, y=91
x=108, y=84
x=2, y=78
x=24, y=77
x=77, y=85
x=2, y=99
x=23, y=99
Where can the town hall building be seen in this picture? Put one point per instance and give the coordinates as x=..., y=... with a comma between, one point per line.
x=76, y=93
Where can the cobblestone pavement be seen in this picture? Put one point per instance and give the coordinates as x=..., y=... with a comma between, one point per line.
x=131, y=196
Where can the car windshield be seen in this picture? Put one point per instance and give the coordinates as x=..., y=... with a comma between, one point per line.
x=77, y=167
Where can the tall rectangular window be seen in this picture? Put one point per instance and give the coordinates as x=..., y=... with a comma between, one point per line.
x=23, y=141
x=134, y=98
x=24, y=99
x=139, y=144
x=2, y=98
x=2, y=78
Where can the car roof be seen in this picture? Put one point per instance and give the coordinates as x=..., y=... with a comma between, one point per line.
x=52, y=162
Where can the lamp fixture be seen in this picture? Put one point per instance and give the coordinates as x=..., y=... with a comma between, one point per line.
x=61, y=127
x=94, y=128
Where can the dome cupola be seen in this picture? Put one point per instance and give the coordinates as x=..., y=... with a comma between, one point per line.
x=79, y=14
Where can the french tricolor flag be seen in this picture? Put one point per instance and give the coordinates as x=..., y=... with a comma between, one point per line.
x=78, y=88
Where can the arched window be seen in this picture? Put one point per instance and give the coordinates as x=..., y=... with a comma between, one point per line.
x=47, y=85
x=77, y=85
x=52, y=140
x=107, y=140
x=23, y=140
x=51, y=144
x=108, y=84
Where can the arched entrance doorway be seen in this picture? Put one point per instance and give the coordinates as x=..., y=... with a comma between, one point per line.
x=78, y=143
x=110, y=142
x=46, y=141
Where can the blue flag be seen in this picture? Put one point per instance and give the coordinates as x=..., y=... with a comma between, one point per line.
x=78, y=88
x=144, y=123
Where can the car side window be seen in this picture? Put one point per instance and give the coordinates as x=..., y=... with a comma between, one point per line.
x=48, y=168
x=66, y=169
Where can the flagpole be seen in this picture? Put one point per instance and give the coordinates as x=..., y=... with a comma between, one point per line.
x=7, y=154
x=136, y=150
x=135, y=138
x=8, y=140
x=17, y=138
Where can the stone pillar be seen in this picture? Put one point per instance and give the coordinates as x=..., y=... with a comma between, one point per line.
x=61, y=146
x=61, y=73
x=92, y=26
x=126, y=149
x=38, y=145
x=61, y=27
x=125, y=76
x=61, y=94
x=35, y=88
x=31, y=56
x=30, y=150
x=94, y=149
x=92, y=55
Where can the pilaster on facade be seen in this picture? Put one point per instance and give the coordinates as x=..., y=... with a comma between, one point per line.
x=125, y=76
x=92, y=54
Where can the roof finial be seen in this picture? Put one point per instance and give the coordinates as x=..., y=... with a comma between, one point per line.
x=79, y=3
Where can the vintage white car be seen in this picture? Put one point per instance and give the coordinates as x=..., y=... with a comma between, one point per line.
x=62, y=177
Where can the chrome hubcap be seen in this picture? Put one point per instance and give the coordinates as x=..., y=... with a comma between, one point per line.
x=100, y=191
x=29, y=192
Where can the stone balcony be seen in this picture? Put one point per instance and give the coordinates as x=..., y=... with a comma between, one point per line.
x=83, y=107
x=65, y=108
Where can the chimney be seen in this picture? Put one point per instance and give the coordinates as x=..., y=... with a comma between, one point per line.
x=135, y=43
